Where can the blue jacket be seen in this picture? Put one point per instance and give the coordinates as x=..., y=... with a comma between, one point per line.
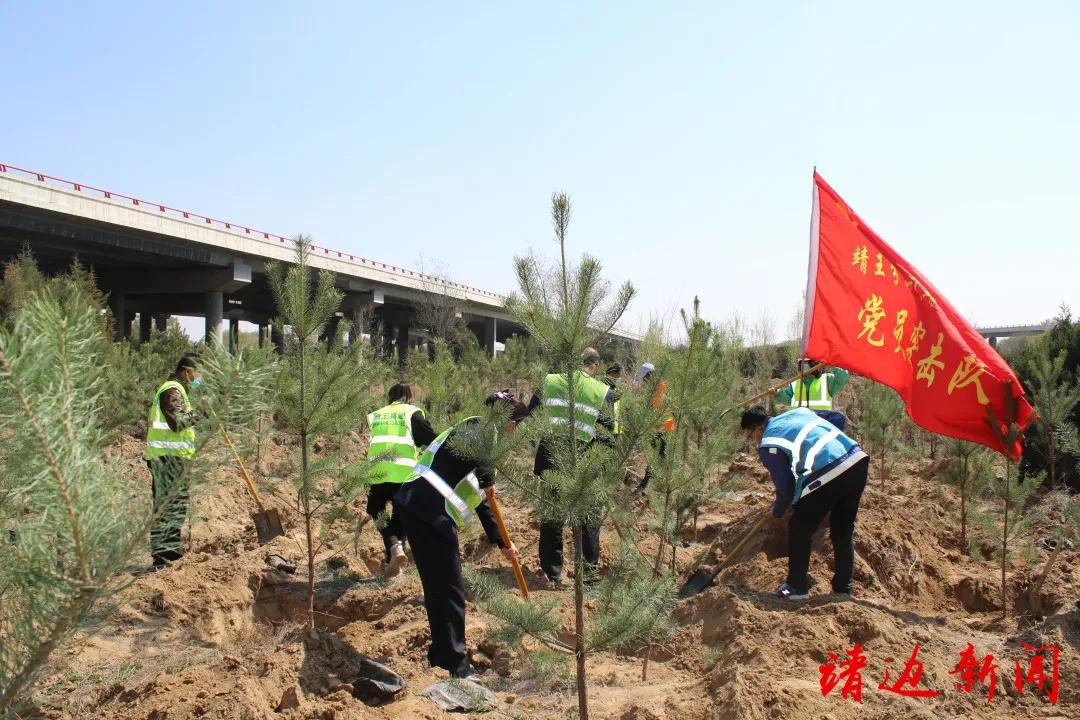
x=802, y=452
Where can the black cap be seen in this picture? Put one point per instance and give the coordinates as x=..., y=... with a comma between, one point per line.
x=188, y=361
x=753, y=417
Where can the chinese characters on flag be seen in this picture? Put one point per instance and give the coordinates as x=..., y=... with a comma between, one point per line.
x=871, y=312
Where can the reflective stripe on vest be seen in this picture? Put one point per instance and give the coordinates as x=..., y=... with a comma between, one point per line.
x=589, y=395
x=616, y=427
x=804, y=449
x=392, y=447
x=161, y=440
x=460, y=501
x=815, y=396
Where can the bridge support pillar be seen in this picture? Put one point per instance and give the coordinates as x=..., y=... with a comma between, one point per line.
x=491, y=326
x=119, y=311
x=264, y=332
x=403, y=342
x=329, y=333
x=161, y=322
x=361, y=322
x=144, y=326
x=277, y=340
x=129, y=320
x=214, y=311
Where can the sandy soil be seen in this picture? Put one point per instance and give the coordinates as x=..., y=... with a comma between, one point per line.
x=220, y=634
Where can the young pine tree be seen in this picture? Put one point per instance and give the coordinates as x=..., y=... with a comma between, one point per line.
x=969, y=469
x=700, y=386
x=69, y=525
x=518, y=367
x=1013, y=521
x=701, y=383
x=566, y=310
x=322, y=391
x=1054, y=396
x=450, y=388
x=1066, y=528
x=881, y=420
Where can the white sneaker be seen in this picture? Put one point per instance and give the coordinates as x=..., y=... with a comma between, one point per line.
x=398, y=560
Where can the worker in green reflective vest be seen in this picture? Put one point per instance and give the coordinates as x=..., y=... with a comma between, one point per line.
x=443, y=493
x=592, y=406
x=170, y=446
x=814, y=391
x=397, y=430
x=613, y=378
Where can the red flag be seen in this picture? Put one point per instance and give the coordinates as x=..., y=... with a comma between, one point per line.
x=871, y=312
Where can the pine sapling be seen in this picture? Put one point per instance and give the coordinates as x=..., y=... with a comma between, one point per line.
x=322, y=391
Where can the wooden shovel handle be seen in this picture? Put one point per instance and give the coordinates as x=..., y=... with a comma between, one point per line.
x=730, y=556
x=497, y=512
x=771, y=391
x=243, y=470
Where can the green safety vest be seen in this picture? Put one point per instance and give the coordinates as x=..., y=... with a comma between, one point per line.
x=392, y=442
x=616, y=428
x=161, y=441
x=461, y=500
x=588, y=400
x=814, y=395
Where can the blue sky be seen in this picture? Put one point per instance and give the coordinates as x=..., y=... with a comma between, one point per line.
x=685, y=133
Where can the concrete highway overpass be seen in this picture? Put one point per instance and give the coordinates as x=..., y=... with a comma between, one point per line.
x=993, y=334
x=155, y=260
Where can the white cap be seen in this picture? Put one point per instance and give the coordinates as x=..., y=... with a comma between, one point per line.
x=644, y=370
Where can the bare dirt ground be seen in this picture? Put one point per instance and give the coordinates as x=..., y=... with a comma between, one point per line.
x=220, y=634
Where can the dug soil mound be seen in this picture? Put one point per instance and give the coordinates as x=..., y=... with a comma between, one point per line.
x=221, y=634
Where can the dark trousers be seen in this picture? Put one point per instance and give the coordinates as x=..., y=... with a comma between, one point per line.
x=439, y=565
x=392, y=531
x=551, y=534
x=551, y=548
x=661, y=445
x=838, y=498
x=170, y=488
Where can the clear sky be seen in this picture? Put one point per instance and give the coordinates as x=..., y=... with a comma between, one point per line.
x=685, y=133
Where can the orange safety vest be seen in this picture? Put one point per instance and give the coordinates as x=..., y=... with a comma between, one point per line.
x=668, y=423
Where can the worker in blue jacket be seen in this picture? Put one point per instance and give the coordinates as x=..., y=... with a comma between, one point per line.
x=817, y=471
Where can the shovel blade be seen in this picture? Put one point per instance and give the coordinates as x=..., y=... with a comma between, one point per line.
x=267, y=525
x=697, y=583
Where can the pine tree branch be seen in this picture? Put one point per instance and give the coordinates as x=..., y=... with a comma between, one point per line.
x=54, y=469
x=44, y=649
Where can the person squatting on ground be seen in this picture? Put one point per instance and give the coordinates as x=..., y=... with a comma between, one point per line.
x=170, y=445
x=397, y=430
x=818, y=471
x=591, y=400
x=444, y=492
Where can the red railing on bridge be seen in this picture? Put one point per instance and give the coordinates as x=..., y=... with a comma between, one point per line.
x=188, y=215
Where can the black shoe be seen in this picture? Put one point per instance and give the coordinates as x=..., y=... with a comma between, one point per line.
x=554, y=583
x=463, y=670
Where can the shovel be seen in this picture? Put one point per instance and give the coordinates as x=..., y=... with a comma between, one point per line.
x=497, y=512
x=704, y=578
x=267, y=522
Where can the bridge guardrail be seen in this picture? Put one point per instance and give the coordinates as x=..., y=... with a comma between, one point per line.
x=188, y=215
